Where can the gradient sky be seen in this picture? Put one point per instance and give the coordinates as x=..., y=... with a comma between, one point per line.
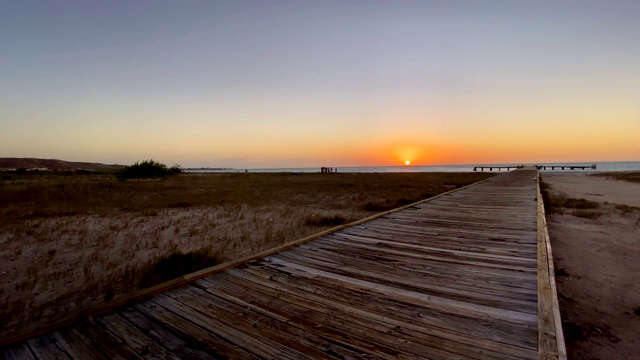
x=309, y=83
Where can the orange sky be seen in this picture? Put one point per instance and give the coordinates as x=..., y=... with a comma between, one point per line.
x=359, y=83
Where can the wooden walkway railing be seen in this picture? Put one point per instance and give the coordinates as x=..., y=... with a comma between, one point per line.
x=464, y=275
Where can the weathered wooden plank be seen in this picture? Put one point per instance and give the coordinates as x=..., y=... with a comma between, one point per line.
x=407, y=311
x=436, y=261
x=441, y=292
x=240, y=301
x=442, y=304
x=492, y=220
x=371, y=336
x=353, y=315
x=443, y=230
x=437, y=240
x=466, y=207
x=469, y=259
x=409, y=280
x=453, y=235
x=162, y=336
x=415, y=261
x=456, y=245
x=202, y=301
x=479, y=229
x=77, y=345
x=45, y=347
x=19, y=351
x=248, y=341
x=310, y=320
x=504, y=259
x=322, y=321
x=488, y=284
x=195, y=332
x=103, y=341
x=135, y=339
x=407, y=259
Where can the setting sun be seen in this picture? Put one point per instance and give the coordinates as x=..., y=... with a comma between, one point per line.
x=407, y=162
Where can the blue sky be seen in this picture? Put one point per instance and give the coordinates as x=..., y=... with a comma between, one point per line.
x=311, y=83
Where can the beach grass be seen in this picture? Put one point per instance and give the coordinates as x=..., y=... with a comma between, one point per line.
x=587, y=214
x=627, y=209
x=557, y=203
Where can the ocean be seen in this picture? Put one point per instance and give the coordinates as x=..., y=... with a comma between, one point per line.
x=600, y=167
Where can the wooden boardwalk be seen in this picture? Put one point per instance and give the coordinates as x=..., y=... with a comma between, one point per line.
x=455, y=277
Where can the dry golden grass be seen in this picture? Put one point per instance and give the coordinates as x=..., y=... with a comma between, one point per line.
x=72, y=242
x=558, y=202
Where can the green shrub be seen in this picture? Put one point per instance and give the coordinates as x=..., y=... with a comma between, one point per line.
x=147, y=169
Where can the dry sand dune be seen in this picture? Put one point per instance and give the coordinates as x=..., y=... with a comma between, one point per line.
x=596, y=259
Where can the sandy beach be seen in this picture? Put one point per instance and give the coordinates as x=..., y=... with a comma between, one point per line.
x=596, y=254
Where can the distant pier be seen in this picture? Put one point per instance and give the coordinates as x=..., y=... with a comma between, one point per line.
x=539, y=167
x=499, y=168
x=569, y=167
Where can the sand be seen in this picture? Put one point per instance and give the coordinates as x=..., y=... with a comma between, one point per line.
x=597, y=266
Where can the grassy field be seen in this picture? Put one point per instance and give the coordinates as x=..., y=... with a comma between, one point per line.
x=71, y=242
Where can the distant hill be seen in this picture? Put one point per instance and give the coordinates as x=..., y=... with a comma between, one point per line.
x=52, y=164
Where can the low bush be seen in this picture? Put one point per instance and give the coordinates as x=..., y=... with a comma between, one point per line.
x=325, y=220
x=587, y=214
x=377, y=206
x=574, y=203
x=627, y=208
x=404, y=201
x=176, y=264
x=148, y=169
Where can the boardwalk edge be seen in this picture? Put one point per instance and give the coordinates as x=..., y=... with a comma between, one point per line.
x=551, y=343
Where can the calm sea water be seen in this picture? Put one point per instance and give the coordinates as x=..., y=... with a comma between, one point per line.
x=601, y=167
